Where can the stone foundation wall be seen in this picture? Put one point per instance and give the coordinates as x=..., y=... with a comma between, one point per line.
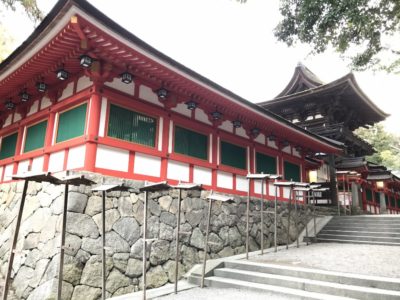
x=35, y=269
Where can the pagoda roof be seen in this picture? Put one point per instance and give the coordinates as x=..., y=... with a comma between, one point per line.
x=61, y=38
x=305, y=87
x=302, y=79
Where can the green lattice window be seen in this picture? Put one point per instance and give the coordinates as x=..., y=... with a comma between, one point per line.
x=265, y=164
x=190, y=143
x=233, y=155
x=8, y=145
x=131, y=126
x=377, y=199
x=392, y=202
x=71, y=123
x=369, y=196
x=35, y=136
x=291, y=171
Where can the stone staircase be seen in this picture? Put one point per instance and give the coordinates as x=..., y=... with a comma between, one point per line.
x=365, y=229
x=304, y=283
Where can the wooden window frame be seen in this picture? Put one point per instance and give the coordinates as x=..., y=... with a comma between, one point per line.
x=26, y=135
x=59, y=113
x=121, y=143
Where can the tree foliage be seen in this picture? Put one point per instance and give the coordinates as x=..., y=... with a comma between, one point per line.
x=30, y=6
x=366, y=30
x=387, y=146
x=5, y=43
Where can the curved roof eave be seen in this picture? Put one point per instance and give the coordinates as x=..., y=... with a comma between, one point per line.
x=62, y=7
x=301, y=73
x=348, y=78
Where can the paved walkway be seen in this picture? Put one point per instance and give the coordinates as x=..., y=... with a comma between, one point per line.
x=350, y=258
x=373, y=260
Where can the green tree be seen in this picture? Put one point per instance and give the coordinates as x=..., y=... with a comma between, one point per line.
x=32, y=11
x=387, y=146
x=5, y=43
x=30, y=6
x=367, y=31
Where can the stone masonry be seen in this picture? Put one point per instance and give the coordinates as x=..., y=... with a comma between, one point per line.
x=35, y=268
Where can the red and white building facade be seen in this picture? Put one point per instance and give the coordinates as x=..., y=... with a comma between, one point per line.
x=92, y=121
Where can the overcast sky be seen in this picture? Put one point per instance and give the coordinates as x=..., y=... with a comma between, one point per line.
x=231, y=44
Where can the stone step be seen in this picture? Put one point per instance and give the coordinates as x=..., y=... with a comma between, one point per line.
x=317, y=286
x=361, y=232
x=358, y=237
x=385, y=283
x=368, y=217
x=339, y=240
x=365, y=227
x=357, y=223
x=233, y=283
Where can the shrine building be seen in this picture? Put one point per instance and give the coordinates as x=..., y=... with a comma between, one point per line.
x=334, y=110
x=82, y=93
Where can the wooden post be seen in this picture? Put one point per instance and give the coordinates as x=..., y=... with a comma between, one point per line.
x=14, y=241
x=289, y=211
x=248, y=219
x=178, y=225
x=262, y=216
x=276, y=218
x=103, y=246
x=206, y=243
x=62, y=246
x=144, y=244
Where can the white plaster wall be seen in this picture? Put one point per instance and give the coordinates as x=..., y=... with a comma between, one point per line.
x=201, y=116
x=286, y=192
x=241, y=132
x=54, y=135
x=112, y=158
x=296, y=153
x=8, y=172
x=202, y=175
x=170, y=138
x=271, y=190
x=34, y=108
x=260, y=139
x=67, y=92
x=160, y=133
x=23, y=166
x=120, y=86
x=45, y=102
x=210, y=152
x=8, y=120
x=147, y=94
x=182, y=109
x=37, y=164
x=56, y=161
x=103, y=113
x=257, y=187
x=241, y=183
x=147, y=165
x=286, y=149
x=272, y=144
x=227, y=126
x=224, y=180
x=17, y=117
x=178, y=171
x=83, y=83
x=76, y=157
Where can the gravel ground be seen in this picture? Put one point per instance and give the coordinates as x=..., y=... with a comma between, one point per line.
x=221, y=294
x=351, y=258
